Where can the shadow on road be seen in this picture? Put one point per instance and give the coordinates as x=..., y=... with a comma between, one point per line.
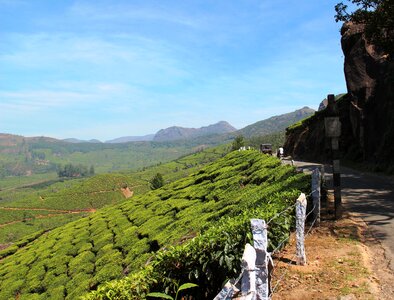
x=371, y=197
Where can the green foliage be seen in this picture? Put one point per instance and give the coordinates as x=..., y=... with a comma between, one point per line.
x=44, y=155
x=378, y=17
x=23, y=181
x=183, y=287
x=160, y=295
x=275, y=124
x=238, y=142
x=83, y=194
x=8, y=251
x=16, y=231
x=156, y=182
x=191, y=230
x=70, y=170
x=275, y=139
x=91, y=170
x=134, y=287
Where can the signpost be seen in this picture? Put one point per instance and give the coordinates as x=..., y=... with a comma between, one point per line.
x=333, y=130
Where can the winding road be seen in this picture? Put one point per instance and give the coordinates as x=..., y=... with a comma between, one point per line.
x=371, y=197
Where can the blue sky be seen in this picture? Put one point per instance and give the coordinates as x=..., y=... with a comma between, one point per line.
x=104, y=69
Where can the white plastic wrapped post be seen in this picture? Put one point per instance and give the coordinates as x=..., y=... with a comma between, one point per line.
x=248, y=286
x=227, y=292
x=300, y=228
x=260, y=240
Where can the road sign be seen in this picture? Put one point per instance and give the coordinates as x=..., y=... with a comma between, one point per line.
x=332, y=126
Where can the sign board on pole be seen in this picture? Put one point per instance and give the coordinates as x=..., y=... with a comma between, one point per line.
x=332, y=126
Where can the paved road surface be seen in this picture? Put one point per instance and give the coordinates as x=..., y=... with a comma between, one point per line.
x=372, y=197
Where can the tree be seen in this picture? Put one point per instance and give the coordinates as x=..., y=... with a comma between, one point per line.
x=378, y=18
x=238, y=143
x=91, y=170
x=70, y=170
x=157, y=181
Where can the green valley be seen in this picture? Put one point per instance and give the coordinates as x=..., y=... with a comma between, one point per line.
x=30, y=157
x=34, y=207
x=27, y=208
x=21, y=156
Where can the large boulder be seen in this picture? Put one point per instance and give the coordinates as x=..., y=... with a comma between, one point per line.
x=369, y=77
x=366, y=112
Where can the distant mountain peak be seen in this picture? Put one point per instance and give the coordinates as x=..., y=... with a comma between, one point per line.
x=77, y=141
x=127, y=139
x=177, y=133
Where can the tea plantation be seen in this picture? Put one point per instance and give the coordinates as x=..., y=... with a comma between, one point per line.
x=26, y=209
x=193, y=229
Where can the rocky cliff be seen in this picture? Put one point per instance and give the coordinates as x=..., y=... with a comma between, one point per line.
x=366, y=111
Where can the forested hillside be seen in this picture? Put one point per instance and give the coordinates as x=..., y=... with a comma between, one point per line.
x=26, y=156
x=29, y=156
x=275, y=124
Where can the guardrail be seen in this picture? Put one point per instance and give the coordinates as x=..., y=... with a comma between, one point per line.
x=254, y=281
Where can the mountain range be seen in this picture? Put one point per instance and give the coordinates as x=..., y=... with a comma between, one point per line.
x=177, y=133
x=220, y=129
x=127, y=139
x=76, y=141
x=35, y=155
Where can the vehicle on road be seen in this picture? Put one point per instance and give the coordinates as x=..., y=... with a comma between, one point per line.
x=266, y=148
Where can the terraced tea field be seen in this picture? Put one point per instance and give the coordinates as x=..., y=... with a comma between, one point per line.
x=26, y=207
x=81, y=256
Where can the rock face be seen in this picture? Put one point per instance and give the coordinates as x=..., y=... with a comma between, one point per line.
x=178, y=133
x=366, y=112
x=307, y=140
x=370, y=82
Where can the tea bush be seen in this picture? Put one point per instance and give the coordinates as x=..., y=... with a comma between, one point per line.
x=193, y=229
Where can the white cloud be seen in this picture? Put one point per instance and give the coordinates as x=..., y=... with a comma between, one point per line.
x=116, y=12
x=133, y=59
x=35, y=101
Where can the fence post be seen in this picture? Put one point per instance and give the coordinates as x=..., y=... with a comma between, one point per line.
x=260, y=240
x=300, y=227
x=248, y=286
x=227, y=292
x=316, y=181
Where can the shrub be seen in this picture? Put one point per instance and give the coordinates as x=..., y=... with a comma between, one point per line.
x=206, y=215
x=8, y=251
x=109, y=272
x=57, y=293
x=9, y=288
